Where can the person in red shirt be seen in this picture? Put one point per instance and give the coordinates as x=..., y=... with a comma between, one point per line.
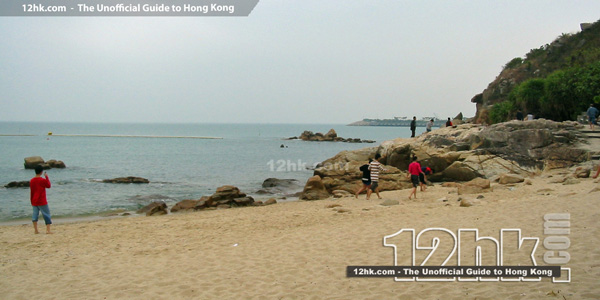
x=414, y=170
x=37, y=187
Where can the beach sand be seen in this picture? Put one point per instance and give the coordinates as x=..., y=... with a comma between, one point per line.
x=294, y=250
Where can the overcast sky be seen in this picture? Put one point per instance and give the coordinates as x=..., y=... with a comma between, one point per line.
x=308, y=61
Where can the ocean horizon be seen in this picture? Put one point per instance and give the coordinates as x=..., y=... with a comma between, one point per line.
x=178, y=168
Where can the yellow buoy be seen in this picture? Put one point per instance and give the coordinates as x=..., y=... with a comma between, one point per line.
x=50, y=133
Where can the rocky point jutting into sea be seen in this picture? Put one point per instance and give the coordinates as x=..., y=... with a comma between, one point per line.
x=462, y=153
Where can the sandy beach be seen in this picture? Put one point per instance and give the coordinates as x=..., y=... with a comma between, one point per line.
x=295, y=250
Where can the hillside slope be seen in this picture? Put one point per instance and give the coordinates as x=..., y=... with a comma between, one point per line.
x=545, y=77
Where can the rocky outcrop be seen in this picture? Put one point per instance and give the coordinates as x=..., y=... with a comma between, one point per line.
x=314, y=189
x=154, y=208
x=280, y=186
x=463, y=153
x=17, y=184
x=471, y=151
x=33, y=161
x=186, y=205
x=475, y=186
x=330, y=136
x=510, y=178
x=226, y=196
x=126, y=180
x=270, y=201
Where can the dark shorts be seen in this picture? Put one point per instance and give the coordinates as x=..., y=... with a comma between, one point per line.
x=374, y=185
x=422, y=178
x=366, y=182
x=415, y=180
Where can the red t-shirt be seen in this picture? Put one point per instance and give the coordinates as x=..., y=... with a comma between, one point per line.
x=38, y=186
x=414, y=168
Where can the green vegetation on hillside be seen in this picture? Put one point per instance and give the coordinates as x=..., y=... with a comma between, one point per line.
x=557, y=81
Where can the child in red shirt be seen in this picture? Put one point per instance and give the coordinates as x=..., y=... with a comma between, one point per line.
x=37, y=187
x=414, y=169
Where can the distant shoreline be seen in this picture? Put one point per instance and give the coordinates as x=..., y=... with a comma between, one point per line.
x=123, y=136
x=395, y=123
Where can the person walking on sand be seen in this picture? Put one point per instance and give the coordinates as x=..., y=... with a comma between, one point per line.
x=366, y=178
x=39, y=203
x=375, y=167
x=591, y=113
x=414, y=170
x=413, y=126
x=429, y=125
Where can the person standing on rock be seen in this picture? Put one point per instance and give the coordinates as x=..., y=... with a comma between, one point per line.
x=429, y=125
x=37, y=187
x=366, y=178
x=414, y=170
x=591, y=113
x=529, y=117
x=520, y=115
x=413, y=126
x=375, y=167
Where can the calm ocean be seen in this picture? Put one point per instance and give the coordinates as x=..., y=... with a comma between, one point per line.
x=178, y=168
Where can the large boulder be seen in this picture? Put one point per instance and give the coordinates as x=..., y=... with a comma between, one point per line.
x=158, y=210
x=32, y=161
x=510, y=178
x=227, y=192
x=475, y=186
x=460, y=171
x=154, y=208
x=230, y=196
x=280, y=186
x=184, y=205
x=307, y=136
x=314, y=189
x=331, y=135
x=56, y=164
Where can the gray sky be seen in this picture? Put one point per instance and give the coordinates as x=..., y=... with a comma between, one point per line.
x=308, y=61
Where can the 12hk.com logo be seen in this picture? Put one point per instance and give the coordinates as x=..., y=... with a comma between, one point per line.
x=439, y=254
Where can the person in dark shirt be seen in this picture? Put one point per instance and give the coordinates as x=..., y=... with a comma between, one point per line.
x=366, y=178
x=520, y=116
x=449, y=123
x=413, y=126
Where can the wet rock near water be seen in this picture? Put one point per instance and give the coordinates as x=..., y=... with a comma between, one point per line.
x=17, y=184
x=33, y=161
x=154, y=209
x=226, y=196
x=127, y=180
x=150, y=198
x=280, y=186
x=330, y=136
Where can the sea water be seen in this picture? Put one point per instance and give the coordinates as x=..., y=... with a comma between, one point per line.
x=177, y=168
